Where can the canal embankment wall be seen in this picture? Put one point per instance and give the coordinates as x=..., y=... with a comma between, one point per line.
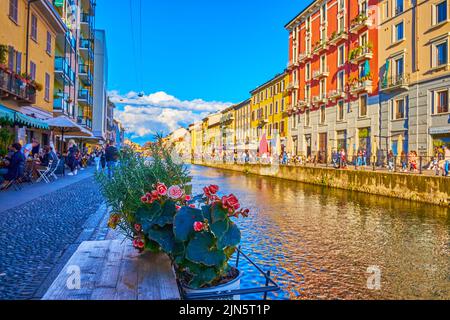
x=414, y=187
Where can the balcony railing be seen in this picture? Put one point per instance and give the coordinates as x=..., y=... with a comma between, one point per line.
x=64, y=70
x=60, y=104
x=292, y=85
x=360, y=54
x=84, y=97
x=360, y=22
x=304, y=56
x=336, y=94
x=321, y=98
x=13, y=87
x=85, y=74
x=320, y=46
x=322, y=73
x=395, y=83
x=84, y=121
x=359, y=86
x=338, y=36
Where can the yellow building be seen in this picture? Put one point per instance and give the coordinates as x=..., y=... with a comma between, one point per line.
x=415, y=86
x=196, y=133
x=212, y=137
x=269, y=109
x=243, y=124
x=228, y=132
x=27, y=63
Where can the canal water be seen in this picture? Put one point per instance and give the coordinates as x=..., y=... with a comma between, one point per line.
x=322, y=243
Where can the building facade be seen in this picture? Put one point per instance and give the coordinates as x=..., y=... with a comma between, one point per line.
x=414, y=63
x=333, y=72
x=242, y=120
x=102, y=108
x=269, y=109
x=29, y=35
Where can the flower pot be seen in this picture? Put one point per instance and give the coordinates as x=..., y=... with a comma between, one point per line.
x=234, y=284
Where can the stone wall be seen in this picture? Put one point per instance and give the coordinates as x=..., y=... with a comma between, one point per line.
x=429, y=189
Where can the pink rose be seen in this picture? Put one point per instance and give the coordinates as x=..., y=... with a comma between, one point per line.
x=161, y=188
x=144, y=199
x=175, y=192
x=198, y=226
x=138, y=227
x=211, y=190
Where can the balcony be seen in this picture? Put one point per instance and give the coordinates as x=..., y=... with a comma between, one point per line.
x=227, y=119
x=337, y=37
x=86, y=24
x=84, y=97
x=304, y=56
x=83, y=121
x=320, y=47
x=84, y=73
x=336, y=94
x=399, y=82
x=321, y=98
x=63, y=72
x=86, y=49
x=360, y=22
x=361, y=86
x=293, y=85
x=61, y=104
x=13, y=87
x=323, y=73
x=360, y=54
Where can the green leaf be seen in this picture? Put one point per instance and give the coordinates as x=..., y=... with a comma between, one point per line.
x=148, y=212
x=184, y=222
x=230, y=238
x=206, y=210
x=201, y=249
x=152, y=246
x=207, y=276
x=219, y=228
x=164, y=237
x=218, y=213
x=168, y=212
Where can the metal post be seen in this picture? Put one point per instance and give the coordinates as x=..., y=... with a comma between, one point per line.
x=395, y=164
x=267, y=284
x=238, y=256
x=420, y=164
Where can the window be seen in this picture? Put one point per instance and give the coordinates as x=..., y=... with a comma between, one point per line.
x=399, y=67
x=49, y=43
x=340, y=81
x=282, y=104
x=18, y=62
x=14, y=10
x=33, y=27
x=341, y=4
x=441, y=12
x=308, y=71
x=307, y=118
x=276, y=106
x=399, y=32
x=323, y=13
x=47, y=87
x=322, y=114
x=399, y=109
x=442, y=101
x=323, y=63
x=282, y=127
x=11, y=56
x=441, y=53
x=341, y=55
x=398, y=6
x=340, y=110
x=33, y=70
x=363, y=105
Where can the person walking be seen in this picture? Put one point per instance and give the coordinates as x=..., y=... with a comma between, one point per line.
x=390, y=160
x=71, y=158
x=97, y=158
x=111, y=157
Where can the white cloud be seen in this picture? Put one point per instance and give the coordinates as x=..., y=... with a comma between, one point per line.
x=159, y=112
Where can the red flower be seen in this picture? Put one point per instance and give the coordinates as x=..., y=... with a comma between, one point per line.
x=138, y=243
x=230, y=202
x=138, y=227
x=198, y=226
x=175, y=192
x=211, y=190
x=144, y=199
x=177, y=207
x=187, y=198
x=161, y=189
x=154, y=195
x=192, y=205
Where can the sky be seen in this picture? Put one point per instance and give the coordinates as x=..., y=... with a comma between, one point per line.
x=189, y=57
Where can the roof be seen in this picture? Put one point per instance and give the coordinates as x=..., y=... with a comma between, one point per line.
x=309, y=7
x=275, y=78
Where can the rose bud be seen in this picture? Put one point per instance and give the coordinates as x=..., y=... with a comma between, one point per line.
x=198, y=226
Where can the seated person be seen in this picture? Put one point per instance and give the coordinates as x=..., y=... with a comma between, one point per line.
x=48, y=156
x=16, y=163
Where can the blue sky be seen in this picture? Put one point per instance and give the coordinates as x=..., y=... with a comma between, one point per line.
x=192, y=58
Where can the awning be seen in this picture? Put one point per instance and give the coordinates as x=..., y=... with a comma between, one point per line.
x=440, y=130
x=30, y=122
x=6, y=114
x=22, y=119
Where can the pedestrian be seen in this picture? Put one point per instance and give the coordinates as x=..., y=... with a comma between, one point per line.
x=404, y=160
x=71, y=158
x=111, y=157
x=390, y=160
x=97, y=158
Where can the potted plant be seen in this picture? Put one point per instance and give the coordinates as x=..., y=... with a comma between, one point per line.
x=3, y=54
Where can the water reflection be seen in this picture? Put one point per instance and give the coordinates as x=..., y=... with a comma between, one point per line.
x=319, y=242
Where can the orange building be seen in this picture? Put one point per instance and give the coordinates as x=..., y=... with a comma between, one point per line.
x=333, y=69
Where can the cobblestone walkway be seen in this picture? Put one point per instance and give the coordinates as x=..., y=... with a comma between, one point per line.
x=39, y=235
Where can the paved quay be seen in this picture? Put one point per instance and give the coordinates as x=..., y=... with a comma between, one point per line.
x=40, y=228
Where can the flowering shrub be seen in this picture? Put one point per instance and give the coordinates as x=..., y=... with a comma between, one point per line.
x=197, y=233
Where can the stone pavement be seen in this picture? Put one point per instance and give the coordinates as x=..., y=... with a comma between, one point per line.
x=40, y=228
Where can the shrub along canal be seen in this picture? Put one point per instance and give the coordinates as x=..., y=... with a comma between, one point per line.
x=319, y=243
